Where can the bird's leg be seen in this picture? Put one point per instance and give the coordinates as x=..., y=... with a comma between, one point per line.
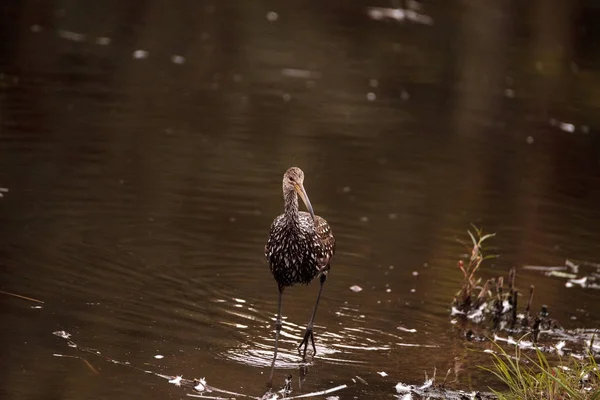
x=277, y=330
x=309, y=328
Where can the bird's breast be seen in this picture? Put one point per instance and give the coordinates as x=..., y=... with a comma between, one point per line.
x=291, y=256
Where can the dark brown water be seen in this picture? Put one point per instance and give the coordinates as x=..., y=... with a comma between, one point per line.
x=143, y=145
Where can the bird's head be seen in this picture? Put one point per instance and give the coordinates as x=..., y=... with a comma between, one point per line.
x=293, y=181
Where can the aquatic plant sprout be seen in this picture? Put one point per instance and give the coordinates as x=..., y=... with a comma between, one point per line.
x=464, y=301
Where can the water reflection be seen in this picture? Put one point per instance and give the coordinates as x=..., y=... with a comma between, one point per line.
x=143, y=146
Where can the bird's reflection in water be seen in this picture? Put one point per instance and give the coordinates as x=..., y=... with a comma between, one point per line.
x=287, y=388
x=302, y=374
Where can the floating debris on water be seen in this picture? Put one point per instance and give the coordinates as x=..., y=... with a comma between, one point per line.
x=577, y=282
x=177, y=59
x=72, y=36
x=570, y=271
x=62, y=334
x=399, y=14
x=568, y=126
x=159, y=357
x=544, y=268
x=300, y=73
x=383, y=373
x=570, y=264
x=19, y=296
x=140, y=54
x=356, y=288
x=103, y=40
x=176, y=381
x=272, y=16
x=432, y=390
x=86, y=362
x=427, y=384
x=201, y=386
x=401, y=387
x=403, y=329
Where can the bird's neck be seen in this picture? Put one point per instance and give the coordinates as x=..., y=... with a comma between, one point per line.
x=291, y=207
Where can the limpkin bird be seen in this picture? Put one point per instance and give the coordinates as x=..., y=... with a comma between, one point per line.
x=299, y=248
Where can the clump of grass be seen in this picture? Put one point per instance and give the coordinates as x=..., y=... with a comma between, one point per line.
x=530, y=378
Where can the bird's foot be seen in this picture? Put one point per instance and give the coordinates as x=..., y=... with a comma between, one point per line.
x=307, y=335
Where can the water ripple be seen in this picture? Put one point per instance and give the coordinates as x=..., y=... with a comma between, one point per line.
x=341, y=343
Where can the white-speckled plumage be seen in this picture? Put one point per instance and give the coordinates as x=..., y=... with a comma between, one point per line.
x=298, y=248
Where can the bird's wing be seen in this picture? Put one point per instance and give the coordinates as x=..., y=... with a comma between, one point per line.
x=327, y=241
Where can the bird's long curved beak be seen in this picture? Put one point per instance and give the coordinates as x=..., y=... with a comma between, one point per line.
x=302, y=193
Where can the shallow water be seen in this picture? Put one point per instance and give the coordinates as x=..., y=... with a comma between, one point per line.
x=143, y=148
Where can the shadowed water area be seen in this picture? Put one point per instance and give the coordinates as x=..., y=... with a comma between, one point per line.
x=143, y=145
